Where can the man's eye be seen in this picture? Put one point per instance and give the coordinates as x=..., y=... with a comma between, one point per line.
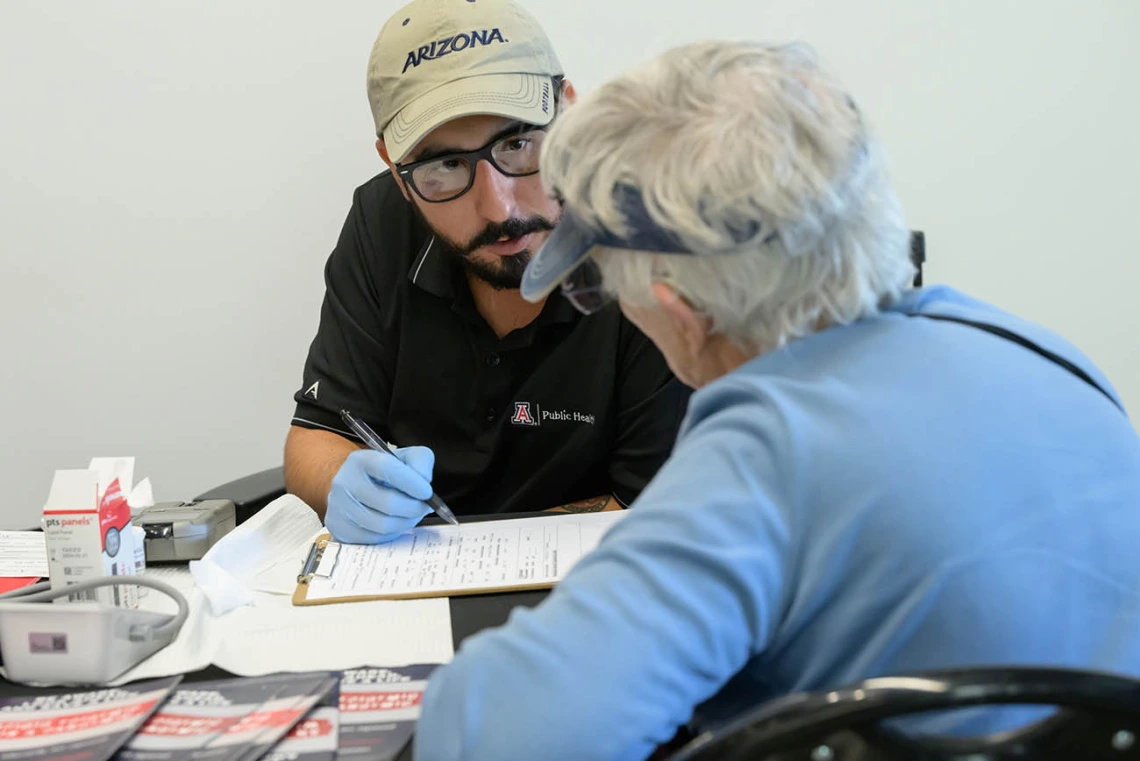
x=451, y=164
x=515, y=143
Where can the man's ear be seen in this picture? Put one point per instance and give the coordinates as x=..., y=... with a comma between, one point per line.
x=383, y=151
x=691, y=325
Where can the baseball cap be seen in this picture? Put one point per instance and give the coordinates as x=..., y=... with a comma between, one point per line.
x=573, y=238
x=438, y=60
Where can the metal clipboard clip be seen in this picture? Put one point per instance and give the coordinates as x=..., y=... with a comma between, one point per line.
x=314, y=558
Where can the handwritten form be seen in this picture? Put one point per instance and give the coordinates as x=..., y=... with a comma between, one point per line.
x=525, y=552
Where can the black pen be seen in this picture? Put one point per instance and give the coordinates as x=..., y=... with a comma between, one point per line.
x=361, y=429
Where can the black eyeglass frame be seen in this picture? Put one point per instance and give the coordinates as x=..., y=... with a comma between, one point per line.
x=482, y=153
x=473, y=157
x=583, y=288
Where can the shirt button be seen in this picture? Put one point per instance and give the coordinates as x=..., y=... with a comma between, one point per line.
x=490, y=414
x=493, y=360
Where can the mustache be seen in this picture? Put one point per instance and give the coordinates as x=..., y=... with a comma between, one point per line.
x=512, y=228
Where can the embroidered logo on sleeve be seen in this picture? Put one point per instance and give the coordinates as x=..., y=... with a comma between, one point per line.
x=314, y=391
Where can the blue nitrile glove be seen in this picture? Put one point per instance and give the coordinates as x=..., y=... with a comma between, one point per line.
x=376, y=496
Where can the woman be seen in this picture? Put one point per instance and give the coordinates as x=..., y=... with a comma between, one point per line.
x=871, y=479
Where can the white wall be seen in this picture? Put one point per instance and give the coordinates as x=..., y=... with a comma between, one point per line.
x=175, y=173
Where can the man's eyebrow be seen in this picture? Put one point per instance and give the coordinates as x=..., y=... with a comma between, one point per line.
x=446, y=150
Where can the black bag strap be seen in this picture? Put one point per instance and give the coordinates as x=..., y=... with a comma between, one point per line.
x=1023, y=341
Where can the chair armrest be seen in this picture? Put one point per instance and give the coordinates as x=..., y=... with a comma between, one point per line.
x=250, y=493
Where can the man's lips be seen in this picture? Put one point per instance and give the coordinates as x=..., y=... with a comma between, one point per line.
x=509, y=246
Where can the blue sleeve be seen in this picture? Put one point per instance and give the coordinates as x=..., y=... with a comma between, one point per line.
x=676, y=599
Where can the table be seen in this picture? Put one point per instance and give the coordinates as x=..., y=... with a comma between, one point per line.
x=469, y=614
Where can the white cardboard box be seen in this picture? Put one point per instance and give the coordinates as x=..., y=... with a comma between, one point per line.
x=89, y=536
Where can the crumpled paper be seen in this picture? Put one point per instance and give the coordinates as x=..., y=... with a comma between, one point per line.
x=222, y=590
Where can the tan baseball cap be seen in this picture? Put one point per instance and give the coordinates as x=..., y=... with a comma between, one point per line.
x=438, y=60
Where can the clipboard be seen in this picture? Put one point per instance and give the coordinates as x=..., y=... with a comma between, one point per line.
x=324, y=555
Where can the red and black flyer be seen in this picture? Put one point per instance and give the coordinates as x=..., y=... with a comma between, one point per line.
x=314, y=738
x=379, y=708
x=77, y=726
x=227, y=719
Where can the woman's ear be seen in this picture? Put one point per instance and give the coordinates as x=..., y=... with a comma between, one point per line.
x=691, y=325
x=569, y=94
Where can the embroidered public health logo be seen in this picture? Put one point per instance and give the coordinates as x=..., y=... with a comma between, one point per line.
x=454, y=44
x=527, y=414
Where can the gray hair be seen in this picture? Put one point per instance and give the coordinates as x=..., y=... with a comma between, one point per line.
x=720, y=137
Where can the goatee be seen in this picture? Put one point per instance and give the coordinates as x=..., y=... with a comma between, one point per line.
x=505, y=272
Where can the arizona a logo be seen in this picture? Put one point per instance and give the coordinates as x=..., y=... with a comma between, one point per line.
x=523, y=415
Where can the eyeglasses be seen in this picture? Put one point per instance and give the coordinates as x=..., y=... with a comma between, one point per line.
x=445, y=178
x=583, y=288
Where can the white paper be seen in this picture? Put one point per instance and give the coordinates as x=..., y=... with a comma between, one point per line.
x=468, y=557
x=278, y=533
x=222, y=591
x=141, y=497
x=264, y=554
x=275, y=635
x=23, y=553
x=271, y=634
x=110, y=468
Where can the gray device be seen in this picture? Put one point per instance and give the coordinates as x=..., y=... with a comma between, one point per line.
x=81, y=642
x=182, y=531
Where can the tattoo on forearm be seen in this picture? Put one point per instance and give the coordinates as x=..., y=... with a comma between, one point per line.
x=595, y=505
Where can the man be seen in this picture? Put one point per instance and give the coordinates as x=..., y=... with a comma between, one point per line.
x=500, y=404
x=871, y=479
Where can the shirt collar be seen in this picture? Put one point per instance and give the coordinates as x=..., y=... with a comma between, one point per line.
x=431, y=269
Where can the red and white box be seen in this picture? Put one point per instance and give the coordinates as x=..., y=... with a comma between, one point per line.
x=89, y=536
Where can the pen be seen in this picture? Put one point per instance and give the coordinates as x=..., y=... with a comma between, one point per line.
x=361, y=429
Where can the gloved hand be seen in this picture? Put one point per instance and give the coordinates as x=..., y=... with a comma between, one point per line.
x=376, y=496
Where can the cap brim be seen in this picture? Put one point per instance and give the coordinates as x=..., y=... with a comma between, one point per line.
x=564, y=249
x=526, y=97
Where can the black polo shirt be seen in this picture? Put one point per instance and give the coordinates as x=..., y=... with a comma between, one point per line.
x=567, y=408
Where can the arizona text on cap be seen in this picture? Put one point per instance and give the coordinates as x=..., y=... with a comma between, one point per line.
x=438, y=60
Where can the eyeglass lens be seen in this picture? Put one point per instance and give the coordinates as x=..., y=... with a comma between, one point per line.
x=449, y=176
x=583, y=288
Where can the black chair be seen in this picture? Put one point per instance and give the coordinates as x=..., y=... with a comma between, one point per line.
x=249, y=493
x=1098, y=717
x=918, y=254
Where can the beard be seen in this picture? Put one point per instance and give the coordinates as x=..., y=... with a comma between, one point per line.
x=504, y=272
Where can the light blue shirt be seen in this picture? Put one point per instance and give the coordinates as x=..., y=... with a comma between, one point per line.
x=892, y=495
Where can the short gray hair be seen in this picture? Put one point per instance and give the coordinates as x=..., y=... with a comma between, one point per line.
x=720, y=136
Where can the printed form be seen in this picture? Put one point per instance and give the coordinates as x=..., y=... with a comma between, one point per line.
x=23, y=553
x=470, y=557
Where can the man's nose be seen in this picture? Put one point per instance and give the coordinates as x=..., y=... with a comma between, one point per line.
x=494, y=193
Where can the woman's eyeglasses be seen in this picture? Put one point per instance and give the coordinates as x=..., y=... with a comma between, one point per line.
x=445, y=178
x=583, y=288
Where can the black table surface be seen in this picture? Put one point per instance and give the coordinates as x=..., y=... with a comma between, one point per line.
x=469, y=614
